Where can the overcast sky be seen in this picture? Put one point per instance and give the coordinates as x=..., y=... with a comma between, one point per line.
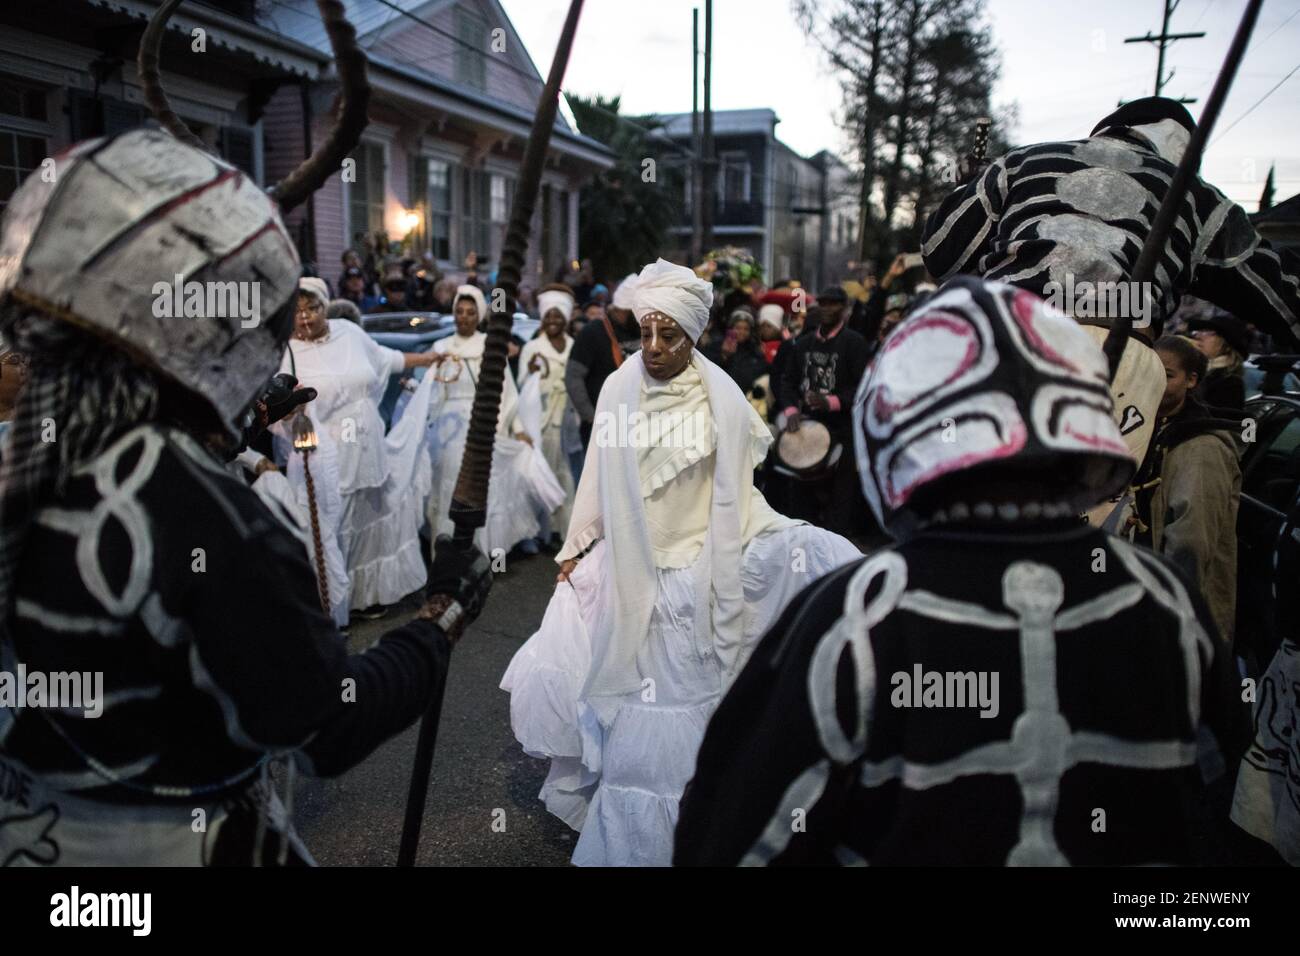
x=1064, y=63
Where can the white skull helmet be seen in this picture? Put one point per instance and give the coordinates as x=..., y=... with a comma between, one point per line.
x=982, y=376
x=169, y=253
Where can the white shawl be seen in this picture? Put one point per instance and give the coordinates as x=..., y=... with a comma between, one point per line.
x=610, y=504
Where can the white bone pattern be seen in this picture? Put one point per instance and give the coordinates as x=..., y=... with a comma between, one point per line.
x=1042, y=746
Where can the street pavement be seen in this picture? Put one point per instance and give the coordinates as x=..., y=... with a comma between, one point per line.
x=480, y=774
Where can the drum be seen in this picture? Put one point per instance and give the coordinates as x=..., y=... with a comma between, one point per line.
x=808, y=454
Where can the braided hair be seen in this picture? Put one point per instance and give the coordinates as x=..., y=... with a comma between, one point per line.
x=81, y=395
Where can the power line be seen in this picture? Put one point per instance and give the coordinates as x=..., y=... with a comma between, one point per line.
x=1280, y=26
x=504, y=64
x=1256, y=103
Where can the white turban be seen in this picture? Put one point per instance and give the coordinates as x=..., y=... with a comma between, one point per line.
x=555, y=299
x=310, y=285
x=771, y=314
x=623, y=295
x=476, y=294
x=678, y=293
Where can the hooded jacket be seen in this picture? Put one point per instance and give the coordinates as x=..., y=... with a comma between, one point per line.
x=1189, y=491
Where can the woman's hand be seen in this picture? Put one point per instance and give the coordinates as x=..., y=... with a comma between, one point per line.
x=523, y=437
x=420, y=359
x=566, y=568
x=535, y=363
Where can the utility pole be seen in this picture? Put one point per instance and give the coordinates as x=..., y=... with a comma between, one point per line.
x=697, y=184
x=707, y=180
x=1163, y=40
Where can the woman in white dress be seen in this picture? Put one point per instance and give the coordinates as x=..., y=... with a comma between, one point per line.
x=545, y=357
x=522, y=485
x=380, y=482
x=673, y=568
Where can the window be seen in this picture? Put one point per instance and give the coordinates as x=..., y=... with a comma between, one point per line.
x=24, y=133
x=471, y=55
x=21, y=99
x=484, y=212
x=733, y=177
x=440, y=208
x=548, y=223
x=562, y=199
x=20, y=155
x=366, y=194
x=500, y=199
x=237, y=148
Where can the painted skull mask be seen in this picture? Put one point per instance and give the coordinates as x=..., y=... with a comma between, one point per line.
x=985, y=374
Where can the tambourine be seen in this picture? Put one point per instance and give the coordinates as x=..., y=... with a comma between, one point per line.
x=440, y=373
x=545, y=370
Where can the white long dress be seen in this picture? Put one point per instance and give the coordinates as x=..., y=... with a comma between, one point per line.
x=522, y=485
x=382, y=481
x=619, y=764
x=554, y=404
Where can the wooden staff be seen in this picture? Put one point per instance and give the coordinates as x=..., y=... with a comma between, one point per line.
x=469, y=499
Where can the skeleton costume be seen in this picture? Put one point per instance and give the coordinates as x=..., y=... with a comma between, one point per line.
x=522, y=484
x=129, y=554
x=684, y=565
x=1076, y=214
x=976, y=692
x=544, y=395
x=381, y=481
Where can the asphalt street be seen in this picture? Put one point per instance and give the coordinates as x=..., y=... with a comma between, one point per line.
x=480, y=775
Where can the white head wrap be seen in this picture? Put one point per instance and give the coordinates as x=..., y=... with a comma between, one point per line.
x=677, y=292
x=315, y=287
x=771, y=314
x=475, y=293
x=555, y=299
x=623, y=295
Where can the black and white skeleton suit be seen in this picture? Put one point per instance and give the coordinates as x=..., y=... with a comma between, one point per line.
x=1003, y=685
x=1067, y=221
x=134, y=569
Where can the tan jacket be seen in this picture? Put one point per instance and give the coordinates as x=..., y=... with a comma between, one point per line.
x=1194, y=519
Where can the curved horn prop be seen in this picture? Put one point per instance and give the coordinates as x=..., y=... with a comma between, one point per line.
x=151, y=80
x=351, y=123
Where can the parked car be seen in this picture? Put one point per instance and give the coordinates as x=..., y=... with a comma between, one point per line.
x=416, y=332
x=1268, y=522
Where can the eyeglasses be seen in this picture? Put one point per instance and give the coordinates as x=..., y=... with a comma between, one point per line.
x=16, y=358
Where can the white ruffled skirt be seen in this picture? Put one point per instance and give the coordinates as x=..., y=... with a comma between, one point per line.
x=522, y=486
x=620, y=783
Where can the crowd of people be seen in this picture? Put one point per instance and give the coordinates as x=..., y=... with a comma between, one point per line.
x=783, y=521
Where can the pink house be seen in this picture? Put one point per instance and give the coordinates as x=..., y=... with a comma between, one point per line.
x=453, y=97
